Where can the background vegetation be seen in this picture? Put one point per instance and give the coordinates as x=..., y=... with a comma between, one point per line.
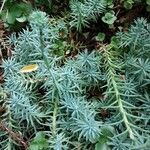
x=75, y=74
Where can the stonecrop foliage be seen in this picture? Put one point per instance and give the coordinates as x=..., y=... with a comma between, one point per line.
x=49, y=106
x=84, y=11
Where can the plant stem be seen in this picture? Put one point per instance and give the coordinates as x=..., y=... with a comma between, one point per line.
x=4, y=1
x=110, y=68
x=47, y=64
x=54, y=119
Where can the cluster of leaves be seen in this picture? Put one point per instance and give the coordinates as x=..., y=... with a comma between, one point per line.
x=64, y=85
x=45, y=95
x=128, y=4
x=82, y=12
x=14, y=12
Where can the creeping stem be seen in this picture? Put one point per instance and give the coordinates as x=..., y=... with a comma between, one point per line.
x=112, y=78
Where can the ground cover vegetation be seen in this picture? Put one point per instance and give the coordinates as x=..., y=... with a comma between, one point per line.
x=75, y=74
